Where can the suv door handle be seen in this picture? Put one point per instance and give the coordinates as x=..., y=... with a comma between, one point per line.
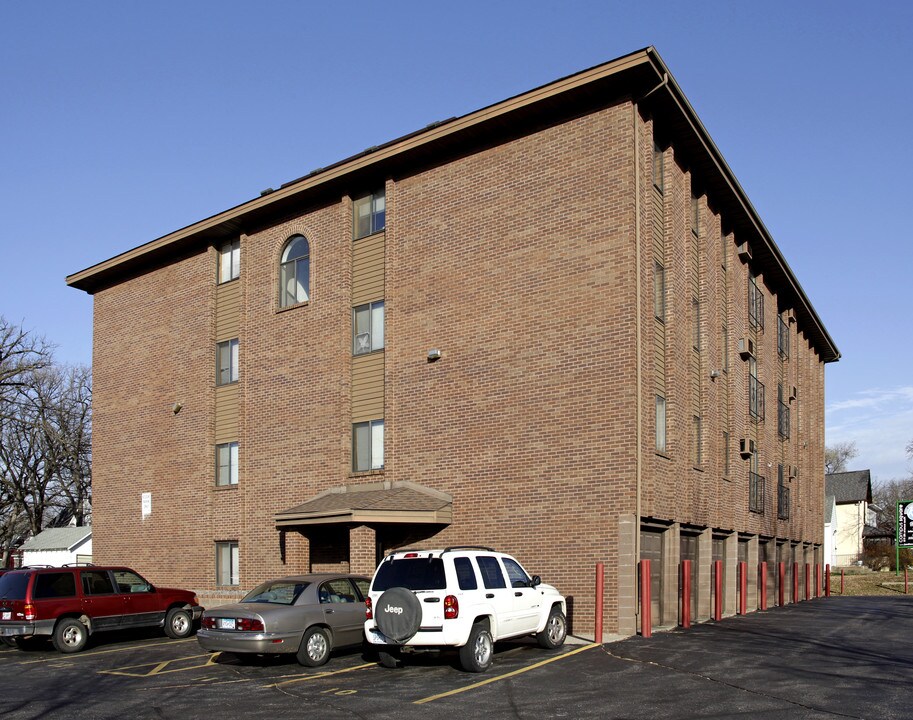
x=518, y=594
x=489, y=595
x=328, y=611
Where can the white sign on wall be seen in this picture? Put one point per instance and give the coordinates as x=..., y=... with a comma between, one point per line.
x=146, y=504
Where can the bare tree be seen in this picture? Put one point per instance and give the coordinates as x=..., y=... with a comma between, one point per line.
x=837, y=456
x=45, y=438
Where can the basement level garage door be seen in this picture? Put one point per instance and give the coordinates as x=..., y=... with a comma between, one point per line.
x=651, y=548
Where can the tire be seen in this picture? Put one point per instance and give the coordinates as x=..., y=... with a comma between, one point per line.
x=8, y=641
x=178, y=623
x=555, y=630
x=398, y=614
x=315, y=647
x=28, y=643
x=389, y=658
x=70, y=635
x=477, y=654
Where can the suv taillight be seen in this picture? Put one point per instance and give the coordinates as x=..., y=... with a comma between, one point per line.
x=30, y=613
x=369, y=612
x=451, y=608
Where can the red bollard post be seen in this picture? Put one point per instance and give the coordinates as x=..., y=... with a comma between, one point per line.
x=717, y=590
x=817, y=580
x=763, y=583
x=743, y=588
x=827, y=580
x=686, y=594
x=808, y=582
x=600, y=575
x=646, y=621
x=781, y=580
x=795, y=583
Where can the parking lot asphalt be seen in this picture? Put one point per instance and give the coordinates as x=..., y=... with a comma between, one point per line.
x=827, y=658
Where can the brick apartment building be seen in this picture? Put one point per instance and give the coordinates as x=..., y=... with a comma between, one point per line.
x=556, y=326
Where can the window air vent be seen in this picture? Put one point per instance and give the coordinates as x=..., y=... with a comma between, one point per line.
x=744, y=251
x=746, y=348
x=746, y=448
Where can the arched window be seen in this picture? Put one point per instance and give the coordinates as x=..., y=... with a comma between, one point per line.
x=295, y=272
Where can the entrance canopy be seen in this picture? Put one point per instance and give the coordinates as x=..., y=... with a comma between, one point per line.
x=372, y=503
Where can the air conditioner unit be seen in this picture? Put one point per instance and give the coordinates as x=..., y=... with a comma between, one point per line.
x=744, y=251
x=746, y=348
x=793, y=393
x=790, y=316
x=746, y=448
x=793, y=472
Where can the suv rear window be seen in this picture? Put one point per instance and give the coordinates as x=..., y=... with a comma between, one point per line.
x=54, y=585
x=411, y=573
x=13, y=585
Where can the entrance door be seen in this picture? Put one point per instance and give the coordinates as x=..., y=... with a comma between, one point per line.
x=651, y=548
x=689, y=552
x=719, y=553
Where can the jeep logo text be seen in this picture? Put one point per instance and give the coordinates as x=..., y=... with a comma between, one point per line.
x=395, y=610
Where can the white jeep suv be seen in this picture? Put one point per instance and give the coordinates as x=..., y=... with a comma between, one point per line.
x=463, y=597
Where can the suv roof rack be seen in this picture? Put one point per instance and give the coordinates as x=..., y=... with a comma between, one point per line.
x=469, y=547
x=78, y=564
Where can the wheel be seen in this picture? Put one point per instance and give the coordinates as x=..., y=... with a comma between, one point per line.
x=315, y=647
x=70, y=635
x=8, y=641
x=27, y=643
x=555, y=631
x=398, y=614
x=178, y=623
x=476, y=654
x=389, y=658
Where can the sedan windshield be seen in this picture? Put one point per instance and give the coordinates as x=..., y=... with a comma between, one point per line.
x=276, y=592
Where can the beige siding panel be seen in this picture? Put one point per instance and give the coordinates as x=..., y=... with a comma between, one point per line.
x=368, y=269
x=659, y=356
x=659, y=225
x=226, y=414
x=228, y=310
x=368, y=387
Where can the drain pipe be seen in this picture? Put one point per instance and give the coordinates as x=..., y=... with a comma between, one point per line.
x=638, y=339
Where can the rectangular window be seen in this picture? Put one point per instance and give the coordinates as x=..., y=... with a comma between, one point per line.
x=659, y=291
x=782, y=338
x=726, y=467
x=54, y=585
x=782, y=414
x=370, y=214
x=368, y=328
x=227, y=362
x=227, y=464
x=696, y=325
x=466, y=576
x=229, y=261
x=725, y=349
x=368, y=445
x=660, y=424
x=782, y=496
x=755, y=304
x=658, y=168
x=227, y=563
x=755, y=391
x=695, y=216
x=697, y=455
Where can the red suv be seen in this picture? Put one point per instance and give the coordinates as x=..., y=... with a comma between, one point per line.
x=68, y=604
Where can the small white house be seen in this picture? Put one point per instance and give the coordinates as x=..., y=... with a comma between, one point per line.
x=58, y=546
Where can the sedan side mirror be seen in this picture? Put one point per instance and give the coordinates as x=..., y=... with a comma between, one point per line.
x=536, y=581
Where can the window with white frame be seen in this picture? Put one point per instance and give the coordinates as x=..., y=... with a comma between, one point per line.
x=368, y=328
x=295, y=272
x=227, y=358
x=370, y=214
x=368, y=445
x=227, y=464
x=660, y=424
x=229, y=261
x=227, y=558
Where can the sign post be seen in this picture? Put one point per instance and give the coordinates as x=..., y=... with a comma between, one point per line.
x=904, y=526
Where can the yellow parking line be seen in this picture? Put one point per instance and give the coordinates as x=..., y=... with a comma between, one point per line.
x=303, y=678
x=79, y=656
x=505, y=676
x=159, y=668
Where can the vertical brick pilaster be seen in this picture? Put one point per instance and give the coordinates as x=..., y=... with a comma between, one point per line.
x=362, y=550
x=628, y=527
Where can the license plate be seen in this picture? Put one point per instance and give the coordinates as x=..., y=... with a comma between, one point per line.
x=6, y=616
x=226, y=623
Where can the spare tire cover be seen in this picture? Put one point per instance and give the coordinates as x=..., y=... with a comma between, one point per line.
x=398, y=614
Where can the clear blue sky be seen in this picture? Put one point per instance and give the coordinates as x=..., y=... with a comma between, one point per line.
x=123, y=121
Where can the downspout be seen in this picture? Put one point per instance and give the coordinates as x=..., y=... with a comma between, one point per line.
x=638, y=340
